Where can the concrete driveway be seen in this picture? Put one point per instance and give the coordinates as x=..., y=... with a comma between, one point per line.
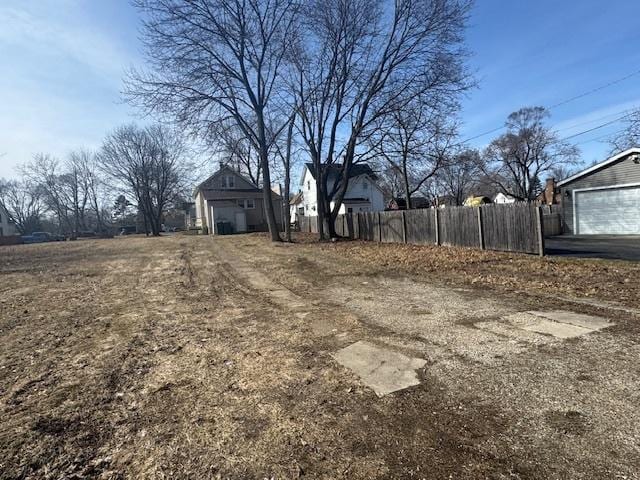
x=611, y=247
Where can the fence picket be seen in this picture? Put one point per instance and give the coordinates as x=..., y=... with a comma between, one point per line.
x=508, y=227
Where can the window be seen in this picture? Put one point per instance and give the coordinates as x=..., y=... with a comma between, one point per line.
x=228, y=181
x=308, y=185
x=365, y=184
x=349, y=210
x=249, y=203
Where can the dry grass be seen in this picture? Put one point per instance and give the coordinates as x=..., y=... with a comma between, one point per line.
x=157, y=358
x=608, y=280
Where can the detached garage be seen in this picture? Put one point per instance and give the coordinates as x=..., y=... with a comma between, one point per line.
x=605, y=198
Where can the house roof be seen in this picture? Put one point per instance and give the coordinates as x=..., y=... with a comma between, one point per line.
x=356, y=170
x=598, y=166
x=416, y=202
x=201, y=185
x=296, y=199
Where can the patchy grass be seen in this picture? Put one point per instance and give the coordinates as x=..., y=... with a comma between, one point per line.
x=609, y=280
x=157, y=358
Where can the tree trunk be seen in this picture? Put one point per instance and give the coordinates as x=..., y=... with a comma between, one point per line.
x=287, y=181
x=320, y=196
x=407, y=188
x=267, y=197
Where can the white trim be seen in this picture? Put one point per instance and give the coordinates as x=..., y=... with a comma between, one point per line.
x=599, y=165
x=589, y=189
x=575, y=218
x=608, y=187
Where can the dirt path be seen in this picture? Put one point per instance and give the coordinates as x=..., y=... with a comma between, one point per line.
x=189, y=357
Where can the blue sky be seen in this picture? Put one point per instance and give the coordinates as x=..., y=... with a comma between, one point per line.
x=63, y=62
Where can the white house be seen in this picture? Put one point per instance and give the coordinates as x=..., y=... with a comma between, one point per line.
x=296, y=207
x=6, y=227
x=503, y=198
x=363, y=193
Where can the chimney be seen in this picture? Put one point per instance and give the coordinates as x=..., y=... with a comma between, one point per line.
x=549, y=191
x=221, y=164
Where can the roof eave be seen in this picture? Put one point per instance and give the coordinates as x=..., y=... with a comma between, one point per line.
x=600, y=165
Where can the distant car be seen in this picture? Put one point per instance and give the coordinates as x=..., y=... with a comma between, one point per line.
x=38, y=237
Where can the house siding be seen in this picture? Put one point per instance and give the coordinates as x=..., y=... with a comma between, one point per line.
x=359, y=187
x=6, y=228
x=215, y=201
x=622, y=172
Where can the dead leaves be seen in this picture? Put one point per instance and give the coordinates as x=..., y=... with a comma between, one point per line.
x=616, y=281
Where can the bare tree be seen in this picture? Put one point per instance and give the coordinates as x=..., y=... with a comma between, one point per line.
x=47, y=172
x=22, y=201
x=285, y=153
x=351, y=73
x=69, y=188
x=629, y=137
x=517, y=159
x=414, y=141
x=459, y=175
x=215, y=61
x=238, y=151
x=149, y=165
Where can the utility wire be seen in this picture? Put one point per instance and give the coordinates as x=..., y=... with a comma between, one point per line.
x=564, y=102
x=597, y=89
x=597, y=127
x=594, y=120
x=601, y=137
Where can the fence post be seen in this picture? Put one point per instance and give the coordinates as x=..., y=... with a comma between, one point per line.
x=404, y=227
x=437, y=225
x=480, y=232
x=379, y=228
x=540, y=231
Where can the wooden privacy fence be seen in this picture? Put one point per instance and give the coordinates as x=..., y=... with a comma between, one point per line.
x=507, y=227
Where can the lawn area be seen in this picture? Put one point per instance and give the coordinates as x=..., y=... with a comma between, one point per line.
x=201, y=357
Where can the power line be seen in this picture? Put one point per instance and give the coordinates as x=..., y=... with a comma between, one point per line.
x=597, y=89
x=600, y=137
x=597, y=127
x=613, y=114
x=564, y=102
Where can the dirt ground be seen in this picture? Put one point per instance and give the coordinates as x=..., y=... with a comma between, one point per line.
x=195, y=357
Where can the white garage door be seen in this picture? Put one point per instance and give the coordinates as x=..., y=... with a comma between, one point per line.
x=614, y=211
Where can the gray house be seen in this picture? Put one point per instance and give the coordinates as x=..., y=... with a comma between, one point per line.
x=229, y=202
x=604, y=198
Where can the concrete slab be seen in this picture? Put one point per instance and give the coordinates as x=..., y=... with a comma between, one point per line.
x=381, y=369
x=578, y=319
x=557, y=329
x=558, y=323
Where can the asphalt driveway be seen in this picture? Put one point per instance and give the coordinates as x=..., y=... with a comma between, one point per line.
x=611, y=247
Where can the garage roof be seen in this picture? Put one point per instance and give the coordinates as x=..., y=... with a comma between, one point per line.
x=598, y=166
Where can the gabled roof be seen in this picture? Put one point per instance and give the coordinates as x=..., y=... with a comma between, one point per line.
x=356, y=169
x=296, y=199
x=416, y=202
x=598, y=166
x=224, y=168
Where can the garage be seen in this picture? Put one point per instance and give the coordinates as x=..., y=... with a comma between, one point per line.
x=603, y=199
x=608, y=211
